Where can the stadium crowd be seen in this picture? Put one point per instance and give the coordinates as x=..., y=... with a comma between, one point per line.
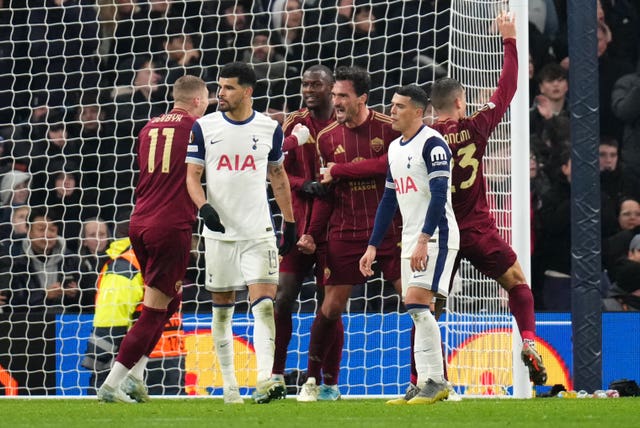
x=80, y=78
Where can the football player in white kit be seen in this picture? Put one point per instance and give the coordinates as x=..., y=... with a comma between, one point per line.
x=238, y=148
x=418, y=183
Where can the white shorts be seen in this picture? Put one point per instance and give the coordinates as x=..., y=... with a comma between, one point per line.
x=437, y=276
x=233, y=265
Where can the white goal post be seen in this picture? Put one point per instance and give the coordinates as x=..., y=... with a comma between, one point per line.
x=79, y=77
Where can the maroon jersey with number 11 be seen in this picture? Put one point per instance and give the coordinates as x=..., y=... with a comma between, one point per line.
x=161, y=193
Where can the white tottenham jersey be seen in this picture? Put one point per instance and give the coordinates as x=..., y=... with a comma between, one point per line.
x=412, y=164
x=235, y=156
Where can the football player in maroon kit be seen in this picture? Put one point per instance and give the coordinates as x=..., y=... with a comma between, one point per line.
x=160, y=232
x=355, y=149
x=480, y=241
x=302, y=163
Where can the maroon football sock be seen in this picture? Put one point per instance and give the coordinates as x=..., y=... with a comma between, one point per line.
x=521, y=306
x=173, y=306
x=284, y=328
x=414, y=371
x=322, y=334
x=138, y=339
x=333, y=357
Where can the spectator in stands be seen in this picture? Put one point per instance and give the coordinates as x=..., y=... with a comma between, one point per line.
x=133, y=111
x=552, y=101
x=297, y=39
x=181, y=57
x=63, y=50
x=95, y=237
x=554, y=245
x=227, y=31
x=65, y=204
x=55, y=152
x=14, y=192
x=625, y=291
x=356, y=41
x=610, y=69
x=13, y=233
x=43, y=273
x=621, y=16
x=616, y=246
x=610, y=185
x=625, y=103
x=272, y=72
x=93, y=134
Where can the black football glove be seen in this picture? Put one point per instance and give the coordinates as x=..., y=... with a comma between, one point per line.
x=211, y=218
x=314, y=188
x=289, y=238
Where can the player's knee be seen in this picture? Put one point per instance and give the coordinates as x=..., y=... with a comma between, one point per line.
x=262, y=307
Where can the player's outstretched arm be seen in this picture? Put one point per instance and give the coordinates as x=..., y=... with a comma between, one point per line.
x=506, y=23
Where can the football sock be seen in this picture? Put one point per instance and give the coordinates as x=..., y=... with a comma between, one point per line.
x=322, y=334
x=117, y=373
x=135, y=344
x=221, y=330
x=521, y=306
x=264, y=334
x=333, y=357
x=172, y=307
x=284, y=328
x=137, y=370
x=138, y=340
x=427, y=347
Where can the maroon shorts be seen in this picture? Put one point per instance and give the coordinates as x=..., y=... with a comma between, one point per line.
x=163, y=254
x=343, y=261
x=300, y=264
x=486, y=250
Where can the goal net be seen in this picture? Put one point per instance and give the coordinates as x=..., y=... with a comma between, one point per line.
x=78, y=80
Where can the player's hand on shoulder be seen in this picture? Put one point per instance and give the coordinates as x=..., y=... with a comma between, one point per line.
x=211, y=218
x=301, y=132
x=289, y=237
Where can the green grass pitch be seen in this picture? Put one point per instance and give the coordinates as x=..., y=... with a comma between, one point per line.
x=191, y=413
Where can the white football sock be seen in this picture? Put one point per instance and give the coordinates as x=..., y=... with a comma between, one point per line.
x=137, y=370
x=264, y=334
x=223, y=342
x=116, y=375
x=427, y=349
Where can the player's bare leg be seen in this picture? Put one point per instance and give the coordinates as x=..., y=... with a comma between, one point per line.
x=521, y=306
x=138, y=340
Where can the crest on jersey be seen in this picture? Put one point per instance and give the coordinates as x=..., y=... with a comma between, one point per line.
x=377, y=144
x=255, y=142
x=327, y=273
x=191, y=137
x=178, y=286
x=409, y=161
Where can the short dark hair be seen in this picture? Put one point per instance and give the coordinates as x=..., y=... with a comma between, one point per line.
x=444, y=91
x=357, y=76
x=39, y=211
x=319, y=68
x=242, y=71
x=418, y=97
x=550, y=72
x=607, y=140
